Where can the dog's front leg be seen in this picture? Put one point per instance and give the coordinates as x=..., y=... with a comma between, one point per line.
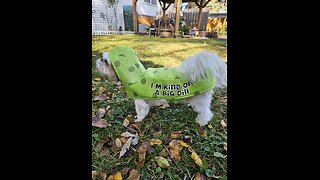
x=142, y=109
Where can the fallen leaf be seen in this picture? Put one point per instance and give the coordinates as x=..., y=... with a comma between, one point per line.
x=157, y=133
x=142, y=154
x=124, y=171
x=104, y=152
x=175, y=134
x=126, y=122
x=162, y=162
x=123, y=140
x=108, y=107
x=175, y=149
x=150, y=149
x=196, y=158
x=155, y=141
x=225, y=145
x=101, y=112
x=210, y=126
x=102, y=175
x=202, y=132
x=100, y=97
x=118, y=143
x=136, y=127
x=134, y=175
x=184, y=144
x=163, y=153
x=98, y=122
x=114, y=147
x=200, y=176
x=125, y=147
x=100, y=144
x=116, y=176
x=94, y=173
x=223, y=124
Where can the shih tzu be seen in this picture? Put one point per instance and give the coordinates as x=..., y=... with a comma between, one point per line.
x=194, y=80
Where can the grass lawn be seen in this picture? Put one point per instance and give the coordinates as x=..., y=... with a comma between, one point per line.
x=161, y=121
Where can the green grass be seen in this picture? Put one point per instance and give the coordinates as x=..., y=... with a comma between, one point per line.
x=156, y=52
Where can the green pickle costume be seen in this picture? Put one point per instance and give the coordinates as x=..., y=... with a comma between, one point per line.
x=154, y=83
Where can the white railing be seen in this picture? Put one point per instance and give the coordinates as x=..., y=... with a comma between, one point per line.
x=106, y=32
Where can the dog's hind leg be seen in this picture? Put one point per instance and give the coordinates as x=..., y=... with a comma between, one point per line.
x=142, y=109
x=201, y=104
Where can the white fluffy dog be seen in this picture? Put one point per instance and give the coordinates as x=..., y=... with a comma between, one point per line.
x=194, y=68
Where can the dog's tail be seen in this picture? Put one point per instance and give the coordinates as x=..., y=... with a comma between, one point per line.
x=197, y=66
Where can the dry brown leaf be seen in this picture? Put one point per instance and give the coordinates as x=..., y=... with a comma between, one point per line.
x=134, y=175
x=100, y=97
x=150, y=149
x=196, y=158
x=100, y=144
x=116, y=176
x=175, y=134
x=123, y=140
x=126, y=122
x=223, y=124
x=142, y=154
x=136, y=127
x=202, y=132
x=101, y=112
x=114, y=147
x=155, y=141
x=102, y=175
x=118, y=143
x=98, y=122
x=175, y=149
x=125, y=147
x=225, y=145
x=157, y=132
x=124, y=171
x=108, y=107
x=104, y=152
x=200, y=176
x=163, y=153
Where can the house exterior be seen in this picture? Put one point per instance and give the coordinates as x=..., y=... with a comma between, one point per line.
x=105, y=17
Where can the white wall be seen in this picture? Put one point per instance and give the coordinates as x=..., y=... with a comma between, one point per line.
x=113, y=16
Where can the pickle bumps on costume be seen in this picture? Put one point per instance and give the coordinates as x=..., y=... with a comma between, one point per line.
x=194, y=80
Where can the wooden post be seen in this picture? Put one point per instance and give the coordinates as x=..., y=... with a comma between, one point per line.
x=163, y=9
x=134, y=14
x=176, y=29
x=199, y=14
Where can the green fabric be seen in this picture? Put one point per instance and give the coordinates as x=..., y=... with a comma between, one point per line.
x=154, y=83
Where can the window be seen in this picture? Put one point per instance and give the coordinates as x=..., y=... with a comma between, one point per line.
x=154, y=2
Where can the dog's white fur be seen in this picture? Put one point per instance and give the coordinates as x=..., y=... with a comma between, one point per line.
x=194, y=69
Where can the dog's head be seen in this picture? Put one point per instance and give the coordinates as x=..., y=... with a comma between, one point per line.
x=104, y=66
